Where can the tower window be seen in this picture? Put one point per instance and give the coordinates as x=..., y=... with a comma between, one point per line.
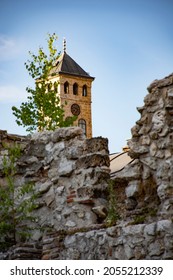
x=66, y=87
x=55, y=87
x=82, y=124
x=84, y=90
x=75, y=89
x=49, y=87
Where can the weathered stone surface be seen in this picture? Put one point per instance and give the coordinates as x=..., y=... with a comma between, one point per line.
x=151, y=144
x=131, y=203
x=158, y=120
x=119, y=242
x=49, y=197
x=150, y=162
x=137, y=149
x=135, y=130
x=71, y=175
x=44, y=187
x=153, y=149
x=145, y=140
x=165, y=226
x=70, y=224
x=63, y=166
x=150, y=229
x=24, y=251
x=66, y=134
x=132, y=189
x=130, y=172
x=93, y=161
x=100, y=211
x=66, y=167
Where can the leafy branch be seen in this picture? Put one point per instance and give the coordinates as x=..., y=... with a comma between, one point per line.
x=43, y=109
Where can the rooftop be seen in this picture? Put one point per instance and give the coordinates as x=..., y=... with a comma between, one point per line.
x=66, y=65
x=118, y=161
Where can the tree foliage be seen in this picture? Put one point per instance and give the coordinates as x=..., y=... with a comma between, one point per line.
x=16, y=204
x=42, y=110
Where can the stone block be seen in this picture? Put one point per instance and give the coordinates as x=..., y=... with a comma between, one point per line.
x=133, y=230
x=133, y=189
x=93, y=160
x=43, y=188
x=66, y=167
x=165, y=226
x=97, y=144
x=66, y=133
x=156, y=249
x=41, y=137
x=50, y=197
x=153, y=149
x=150, y=162
x=59, y=190
x=70, y=224
x=150, y=229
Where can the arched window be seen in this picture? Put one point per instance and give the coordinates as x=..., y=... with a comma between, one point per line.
x=75, y=89
x=66, y=87
x=82, y=124
x=55, y=87
x=49, y=87
x=84, y=90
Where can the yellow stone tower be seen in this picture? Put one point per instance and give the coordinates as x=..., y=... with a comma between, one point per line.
x=73, y=85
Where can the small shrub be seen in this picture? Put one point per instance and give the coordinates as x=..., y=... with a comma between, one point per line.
x=112, y=216
x=16, y=204
x=138, y=220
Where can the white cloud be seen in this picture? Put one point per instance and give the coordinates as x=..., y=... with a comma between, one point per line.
x=12, y=94
x=9, y=47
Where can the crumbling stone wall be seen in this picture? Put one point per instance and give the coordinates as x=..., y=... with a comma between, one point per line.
x=151, y=181
x=145, y=228
x=122, y=242
x=23, y=251
x=70, y=175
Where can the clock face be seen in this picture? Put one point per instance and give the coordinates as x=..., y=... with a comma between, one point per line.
x=75, y=109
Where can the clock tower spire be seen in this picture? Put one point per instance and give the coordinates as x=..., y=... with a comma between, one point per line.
x=64, y=45
x=73, y=85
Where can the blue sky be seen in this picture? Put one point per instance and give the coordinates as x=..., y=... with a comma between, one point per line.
x=124, y=44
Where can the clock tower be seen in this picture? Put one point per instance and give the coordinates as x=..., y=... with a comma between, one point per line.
x=73, y=85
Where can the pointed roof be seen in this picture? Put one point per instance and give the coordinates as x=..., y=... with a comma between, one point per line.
x=66, y=65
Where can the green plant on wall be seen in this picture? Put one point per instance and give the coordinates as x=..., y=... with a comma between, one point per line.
x=16, y=204
x=112, y=216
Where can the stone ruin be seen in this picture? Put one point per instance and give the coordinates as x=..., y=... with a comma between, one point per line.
x=71, y=174
x=150, y=176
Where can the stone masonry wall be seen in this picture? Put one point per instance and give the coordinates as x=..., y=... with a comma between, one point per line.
x=145, y=187
x=122, y=242
x=71, y=174
x=152, y=148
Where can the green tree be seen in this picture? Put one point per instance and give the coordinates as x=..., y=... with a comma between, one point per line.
x=42, y=110
x=16, y=204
